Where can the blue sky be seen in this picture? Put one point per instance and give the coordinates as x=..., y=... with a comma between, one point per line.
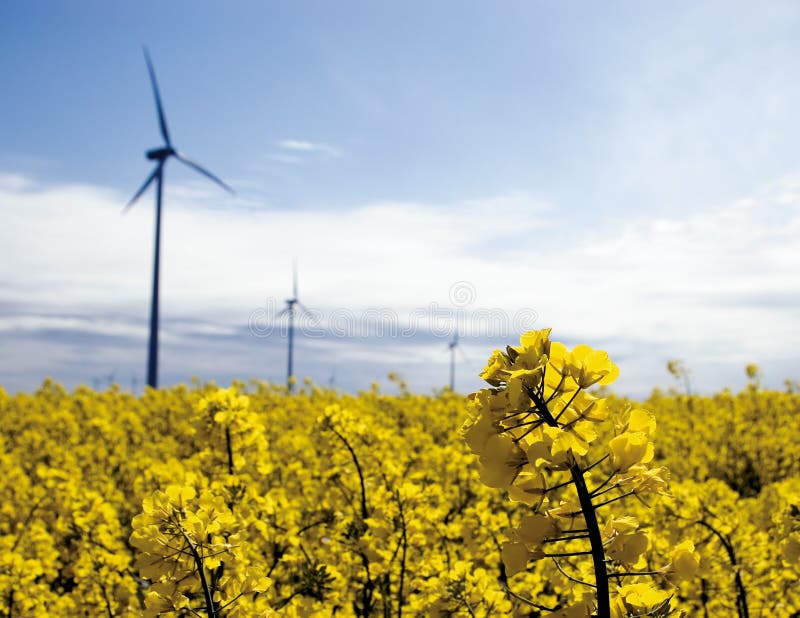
x=627, y=171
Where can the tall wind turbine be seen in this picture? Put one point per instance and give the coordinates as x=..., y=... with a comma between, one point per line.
x=290, y=310
x=160, y=156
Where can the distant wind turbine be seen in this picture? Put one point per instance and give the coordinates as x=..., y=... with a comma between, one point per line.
x=453, y=345
x=160, y=156
x=109, y=379
x=290, y=310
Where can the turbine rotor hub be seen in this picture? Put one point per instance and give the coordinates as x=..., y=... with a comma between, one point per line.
x=159, y=154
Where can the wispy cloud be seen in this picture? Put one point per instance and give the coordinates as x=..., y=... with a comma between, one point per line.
x=304, y=146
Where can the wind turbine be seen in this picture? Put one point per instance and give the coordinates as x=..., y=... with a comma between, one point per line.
x=290, y=310
x=160, y=156
x=107, y=378
x=452, y=345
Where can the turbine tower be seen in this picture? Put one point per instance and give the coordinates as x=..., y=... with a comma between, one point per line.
x=160, y=156
x=290, y=310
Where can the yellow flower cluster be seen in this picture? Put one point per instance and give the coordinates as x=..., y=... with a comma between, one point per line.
x=187, y=549
x=540, y=435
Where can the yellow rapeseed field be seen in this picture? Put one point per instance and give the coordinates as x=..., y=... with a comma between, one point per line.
x=540, y=495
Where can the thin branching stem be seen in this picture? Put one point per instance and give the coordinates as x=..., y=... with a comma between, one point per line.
x=565, y=539
x=625, y=495
x=364, y=509
x=570, y=577
x=595, y=492
x=741, y=593
x=569, y=554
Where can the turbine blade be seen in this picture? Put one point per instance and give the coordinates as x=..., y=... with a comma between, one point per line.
x=303, y=308
x=203, y=171
x=143, y=188
x=464, y=356
x=294, y=277
x=162, y=121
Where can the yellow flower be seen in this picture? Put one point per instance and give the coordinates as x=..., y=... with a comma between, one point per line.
x=476, y=433
x=501, y=461
x=538, y=341
x=640, y=479
x=637, y=600
x=684, y=561
x=619, y=525
x=629, y=449
x=528, y=488
x=533, y=529
x=515, y=557
x=627, y=548
x=588, y=366
x=566, y=510
x=642, y=421
x=496, y=370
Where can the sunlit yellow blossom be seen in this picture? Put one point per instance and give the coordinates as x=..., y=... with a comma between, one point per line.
x=528, y=488
x=496, y=370
x=629, y=449
x=501, y=461
x=636, y=600
x=626, y=548
x=643, y=421
x=588, y=366
x=566, y=510
x=641, y=480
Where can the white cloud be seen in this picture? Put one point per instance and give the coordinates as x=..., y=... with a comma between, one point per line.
x=304, y=146
x=14, y=182
x=717, y=288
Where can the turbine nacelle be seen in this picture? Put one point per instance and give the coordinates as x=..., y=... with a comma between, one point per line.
x=159, y=154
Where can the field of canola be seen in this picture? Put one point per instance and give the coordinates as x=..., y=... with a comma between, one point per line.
x=541, y=495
